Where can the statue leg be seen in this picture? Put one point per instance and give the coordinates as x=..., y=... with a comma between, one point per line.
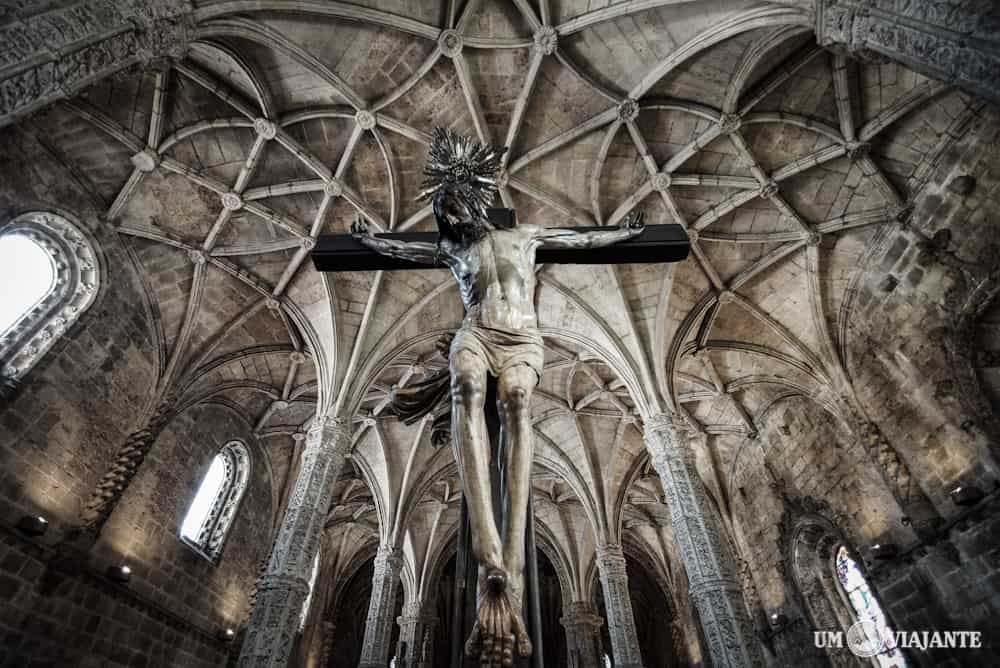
x=472, y=452
x=515, y=387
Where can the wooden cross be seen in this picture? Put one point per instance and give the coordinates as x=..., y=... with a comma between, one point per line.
x=657, y=243
x=342, y=252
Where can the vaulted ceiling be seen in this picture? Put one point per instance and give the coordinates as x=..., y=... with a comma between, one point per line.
x=784, y=162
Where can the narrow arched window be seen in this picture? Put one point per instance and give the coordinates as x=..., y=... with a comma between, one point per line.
x=870, y=619
x=214, y=506
x=48, y=277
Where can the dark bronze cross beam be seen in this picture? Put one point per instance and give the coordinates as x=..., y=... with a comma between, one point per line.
x=657, y=243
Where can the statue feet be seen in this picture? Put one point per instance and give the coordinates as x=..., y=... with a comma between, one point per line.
x=499, y=626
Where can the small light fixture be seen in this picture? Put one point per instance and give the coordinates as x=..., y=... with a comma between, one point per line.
x=227, y=635
x=884, y=550
x=778, y=619
x=966, y=495
x=120, y=574
x=33, y=525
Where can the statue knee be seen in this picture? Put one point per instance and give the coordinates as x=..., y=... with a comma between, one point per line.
x=468, y=388
x=517, y=399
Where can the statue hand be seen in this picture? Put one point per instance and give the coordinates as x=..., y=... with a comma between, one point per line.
x=635, y=222
x=361, y=228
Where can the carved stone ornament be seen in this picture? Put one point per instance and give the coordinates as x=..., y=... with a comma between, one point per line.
x=365, y=119
x=660, y=181
x=546, y=40
x=265, y=128
x=232, y=201
x=705, y=553
x=54, y=54
x=730, y=123
x=628, y=110
x=75, y=282
x=275, y=619
x=450, y=43
x=146, y=160
x=333, y=188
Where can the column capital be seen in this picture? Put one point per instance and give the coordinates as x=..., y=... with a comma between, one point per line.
x=581, y=613
x=389, y=558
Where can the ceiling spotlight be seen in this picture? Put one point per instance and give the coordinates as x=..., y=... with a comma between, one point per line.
x=227, y=635
x=120, y=574
x=33, y=525
x=884, y=550
x=966, y=495
x=778, y=619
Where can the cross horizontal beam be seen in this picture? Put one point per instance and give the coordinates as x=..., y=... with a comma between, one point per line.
x=657, y=243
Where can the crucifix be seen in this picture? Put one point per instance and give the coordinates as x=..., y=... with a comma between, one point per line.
x=497, y=348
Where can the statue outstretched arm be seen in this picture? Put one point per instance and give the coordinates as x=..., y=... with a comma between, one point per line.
x=566, y=238
x=415, y=251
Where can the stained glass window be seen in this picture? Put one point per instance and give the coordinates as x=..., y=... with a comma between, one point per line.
x=867, y=609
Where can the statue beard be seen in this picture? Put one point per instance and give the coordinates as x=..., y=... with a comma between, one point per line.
x=456, y=222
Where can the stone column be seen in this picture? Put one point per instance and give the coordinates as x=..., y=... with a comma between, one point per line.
x=51, y=51
x=378, y=629
x=708, y=563
x=618, y=605
x=412, y=624
x=583, y=635
x=949, y=40
x=326, y=645
x=274, y=621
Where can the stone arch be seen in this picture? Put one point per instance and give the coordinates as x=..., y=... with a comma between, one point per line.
x=77, y=279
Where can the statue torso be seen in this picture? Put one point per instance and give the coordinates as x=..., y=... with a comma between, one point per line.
x=496, y=278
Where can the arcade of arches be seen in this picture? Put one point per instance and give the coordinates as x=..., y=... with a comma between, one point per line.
x=793, y=430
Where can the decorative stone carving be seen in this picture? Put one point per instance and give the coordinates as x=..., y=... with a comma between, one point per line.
x=414, y=627
x=546, y=40
x=197, y=256
x=232, y=201
x=104, y=499
x=944, y=40
x=327, y=642
x=813, y=238
x=660, y=181
x=265, y=128
x=378, y=628
x=146, y=160
x=334, y=188
x=730, y=123
x=307, y=242
x=618, y=604
x=56, y=53
x=896, y=474
x=365, y=119
x=450, y=43
x=857, y=150
x=715, y=587
x=768, y=190
x=283, y=589
x=73, y=291
x=628, y=110
x=583, y=639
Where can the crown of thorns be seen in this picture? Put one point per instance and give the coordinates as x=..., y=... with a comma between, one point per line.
x=464, y=167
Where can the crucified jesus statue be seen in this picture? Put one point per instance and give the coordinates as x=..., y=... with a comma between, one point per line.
x=495, y=271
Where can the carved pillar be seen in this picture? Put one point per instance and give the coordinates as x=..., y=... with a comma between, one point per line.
x=710, y=568
x=378, y=629
x=326, y=645
x=583, y=635
x=897, y=477
x=413, y=624
x=618, y=605
x=119, y=476
x=51, y=51
x=274, y=621
x=949, y=40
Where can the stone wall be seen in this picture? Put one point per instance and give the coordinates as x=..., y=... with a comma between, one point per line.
x=50, y=617
x=58, y=436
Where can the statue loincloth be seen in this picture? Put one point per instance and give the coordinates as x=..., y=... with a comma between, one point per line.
x=501, y=348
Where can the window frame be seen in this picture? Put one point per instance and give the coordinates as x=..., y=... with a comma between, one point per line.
x=217, y=525
x=76, y=281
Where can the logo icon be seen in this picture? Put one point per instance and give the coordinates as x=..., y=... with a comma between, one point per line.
x=863, y=639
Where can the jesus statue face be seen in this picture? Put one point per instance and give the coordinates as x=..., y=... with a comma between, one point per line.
x=457, y=221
